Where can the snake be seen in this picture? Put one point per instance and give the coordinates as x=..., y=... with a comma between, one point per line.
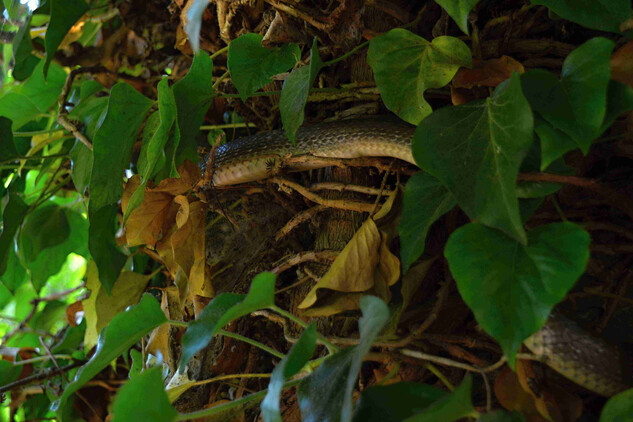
x=584, y=358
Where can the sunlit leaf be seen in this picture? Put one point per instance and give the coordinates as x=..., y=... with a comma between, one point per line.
x=405, y=65
x=252, y=65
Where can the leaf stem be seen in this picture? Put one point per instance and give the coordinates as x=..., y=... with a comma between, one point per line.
x=227, y=126
x=330, y=346
x=251, y=342
x=346, y=55
x=220, y=79
x=235, y=405
x=220, y=51
x=236, y=337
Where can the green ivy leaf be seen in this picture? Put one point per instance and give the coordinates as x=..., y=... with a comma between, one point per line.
x=554, y=143
x=577, y=103
x=295, y=92
x=619, y=100
x=8, y=151
x=158, y=128
x=8, y=372
x=137, y=364
x=194, y=22
x=112, y=148
x=143, y=399
x=193, y=94
x=18, y=108
x=24, y=61
x=326, y=394
x=425, y=201
x=45, y=227
x=252, y=65
x=476, y=150
x=511, y=288
x=123, y=332
x=224, y=309
x=44, y=93
x=152, y=156
x=604, y=15
x=395, y=402
x=405, y=65
x=290, y=365
x=64, y=14
x=91, y=112
x=12, y=217
x=458, y=10
x=619, y=408
x=15, y=274
x=502, y=416
x=52, y=259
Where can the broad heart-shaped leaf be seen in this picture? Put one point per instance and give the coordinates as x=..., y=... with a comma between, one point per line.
x=576, y=104
x=123, y=332
x=45, y=227
x=619, y=408
x=458, y=10
x=194, y=22
x=144, y=399
x=476, y=150
x=8, y=151
x=51, y=260
x=326, y=395
x=18, y=108
x=12, y=217
x=405, y=65
x=292, y=363
x=604, y=15
x=295, y=91
x=112, y=147
x=193, y=94
x=252, y=65
x=511, y=288
x=64, y=14
x=224, y=309
x=15, y=274
x=425, y=200
x=44, y=92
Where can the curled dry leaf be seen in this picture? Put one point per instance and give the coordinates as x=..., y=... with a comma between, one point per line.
x=487, y=72
x=158, y=211
x=158, y=343
x=365, y=265
x=71, y=312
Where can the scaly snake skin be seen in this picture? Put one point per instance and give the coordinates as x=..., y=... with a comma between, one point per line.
x=585, y=359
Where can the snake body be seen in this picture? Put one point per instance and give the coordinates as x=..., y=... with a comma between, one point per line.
x=585, y=359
